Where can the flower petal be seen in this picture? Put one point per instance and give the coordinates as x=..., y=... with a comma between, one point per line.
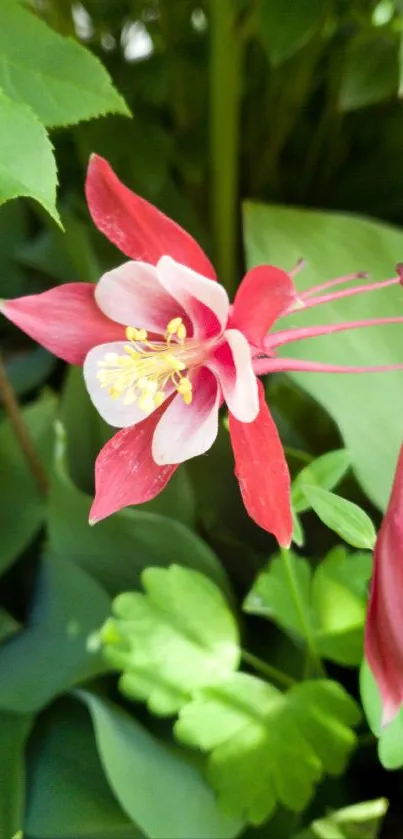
x=384, y=627
x=185, y=431
x=65, y=320
x=205, y=302
x=265, y=293
x=262, y=472
x=125, y=472
x=134, y=225
x=132, y=294
x=231, y=361
x=113, y=411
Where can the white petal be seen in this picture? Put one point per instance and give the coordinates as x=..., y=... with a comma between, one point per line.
x=205, y=301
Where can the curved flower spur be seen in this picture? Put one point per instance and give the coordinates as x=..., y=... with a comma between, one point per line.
x=162, y=349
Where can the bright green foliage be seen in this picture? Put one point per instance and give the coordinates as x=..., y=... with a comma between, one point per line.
x=346, y=519
x=285, y=29
x=331, y=603
x=333, y=245
x=390, y=738
x=60, y=80
x=174, y=639
x=22, y=507
x=254, y=732
x=68, y=607
x=144, y=773
x=359, y=821
x=370, y=71
x=27, y=165
x=326, y=472
x=14, y=730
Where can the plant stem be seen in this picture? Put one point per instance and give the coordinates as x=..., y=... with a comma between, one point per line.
x=293, y=586
x=268, y=670
x=225, y=60
x=12, y=408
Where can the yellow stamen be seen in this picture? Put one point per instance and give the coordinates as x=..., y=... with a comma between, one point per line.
x=187, y=397
x=146, y=403
x=173, y=326
x=159, y=398
x=181, y=332
x=133, y=334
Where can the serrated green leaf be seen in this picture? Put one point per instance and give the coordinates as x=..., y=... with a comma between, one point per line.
x=22, y=506
x=14, y=730
x=326, y=472
x=285, y=29
x=177, y=637
x=117, y=550
x=346, y=519
x=370, y=71
x=81, y=803
x=68, y=606
x=332, y=602
x=27, y=164
x=57, y=77
x=140, y=770
x=268, y=747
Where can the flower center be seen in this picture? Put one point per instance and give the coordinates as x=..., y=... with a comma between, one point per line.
x=145, y=369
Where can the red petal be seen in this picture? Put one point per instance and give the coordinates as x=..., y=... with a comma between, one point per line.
x=65, y=320
x=125, y=472
x=384, y=628
x=264, y=294
x=134, y=225
x=262, y=472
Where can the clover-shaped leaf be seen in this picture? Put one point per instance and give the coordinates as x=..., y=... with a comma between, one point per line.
x=268, y=747
x=174, y=639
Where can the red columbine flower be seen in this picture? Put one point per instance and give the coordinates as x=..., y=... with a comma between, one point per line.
x=384, y=627
x=162, y=349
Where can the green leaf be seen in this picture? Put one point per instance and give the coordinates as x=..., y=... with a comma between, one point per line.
x=390, y=738
x=68, y=607
x=14, y=730
x=332, y=602
x=27, y=370
x=140, y=770
x=174, y=639
x=298, y=536
x=8, y=625
x=81, y=803
x=334, y=245
x=60, y=80
x=326, y=472
x=117, y=550
x=22, y=506
x=346, y=519
x=359, y=821
x=268, y=747
x=27, y=166
x=370, y=72
x=285, y=29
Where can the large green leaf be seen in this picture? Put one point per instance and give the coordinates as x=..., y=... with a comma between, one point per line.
x=366, y=407
x=160, y=791
x=81, y=804
x=269, y=747
x=50, y=654
x=27, y=165
x=175, y=638
x=22, y=507
x=117, y=550
x=61, y=81
x=14, y=729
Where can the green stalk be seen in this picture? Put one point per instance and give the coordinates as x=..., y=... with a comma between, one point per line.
x=225, y=61
x=267, y=670
x=293, y=586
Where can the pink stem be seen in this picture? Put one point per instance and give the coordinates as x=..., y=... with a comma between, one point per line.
x=286, y=336
x=263, y=366
x=338, y=295
x=348, y=278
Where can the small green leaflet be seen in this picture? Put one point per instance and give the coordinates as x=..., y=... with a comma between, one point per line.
x=174, y=639
x=60, y=80
x=332, y=602
x=326, y=472
x=390, y=738
x=27, y=164
x=268, y=747
x=359, y=821
x=342, y=516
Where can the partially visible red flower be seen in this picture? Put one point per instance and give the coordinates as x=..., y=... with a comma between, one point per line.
x=384, y=626
x=162, y=349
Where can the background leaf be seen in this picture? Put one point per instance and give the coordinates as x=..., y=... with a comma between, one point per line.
x=14, y=730
x=325, y=471
x=285, y=29
x=348, y=520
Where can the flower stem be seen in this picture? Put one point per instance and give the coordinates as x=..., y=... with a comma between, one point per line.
x=225, y=61
x=295, y=593
x=268, y=670
x=12, y=408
